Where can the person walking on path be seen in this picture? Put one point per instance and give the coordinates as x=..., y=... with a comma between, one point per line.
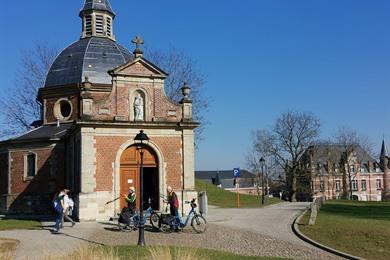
x=59, y=206
x=68, y=204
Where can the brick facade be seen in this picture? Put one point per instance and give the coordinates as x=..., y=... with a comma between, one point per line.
x=3, y=173
x=329, y=188
x=107, y=148
x=50, y=117
x=49, y=169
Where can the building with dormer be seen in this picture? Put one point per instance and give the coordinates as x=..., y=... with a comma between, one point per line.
x=335, y=171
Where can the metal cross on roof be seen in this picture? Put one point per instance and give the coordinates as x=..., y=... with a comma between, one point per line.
x=138, y=41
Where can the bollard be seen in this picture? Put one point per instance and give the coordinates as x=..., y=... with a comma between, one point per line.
x=203, y=203
x=313, y=212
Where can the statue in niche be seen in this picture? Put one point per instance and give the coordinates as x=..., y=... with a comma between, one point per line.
x=138, y=108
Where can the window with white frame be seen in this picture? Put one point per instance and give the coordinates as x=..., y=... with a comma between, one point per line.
x=354, y=185
x=338, y=185
x=378, y=184
x=364, y=185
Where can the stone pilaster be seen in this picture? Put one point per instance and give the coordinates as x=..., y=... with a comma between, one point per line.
x=88, y=206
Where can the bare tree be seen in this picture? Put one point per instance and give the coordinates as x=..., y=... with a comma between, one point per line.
x=287, y=141
x=350, y=143
x=20, y=105
x=182, y=68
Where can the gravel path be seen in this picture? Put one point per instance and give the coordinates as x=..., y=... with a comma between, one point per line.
x=217, y=237
x=274, y=220
x=258, y=232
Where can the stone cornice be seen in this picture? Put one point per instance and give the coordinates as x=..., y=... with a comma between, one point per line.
x=140, y=125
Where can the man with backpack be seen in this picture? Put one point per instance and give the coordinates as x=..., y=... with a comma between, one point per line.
x=58, y=203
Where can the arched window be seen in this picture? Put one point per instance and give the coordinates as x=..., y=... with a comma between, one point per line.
x=30, y=165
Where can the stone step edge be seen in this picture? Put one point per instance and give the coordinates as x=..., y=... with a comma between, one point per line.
x=298, y=233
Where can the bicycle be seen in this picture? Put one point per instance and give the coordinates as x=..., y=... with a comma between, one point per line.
x=168, y=223
x=128, y=221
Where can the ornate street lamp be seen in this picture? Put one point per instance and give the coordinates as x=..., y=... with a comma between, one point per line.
x=140, y=138
x=262, y=162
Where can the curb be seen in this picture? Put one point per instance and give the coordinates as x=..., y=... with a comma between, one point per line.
x=298, y=233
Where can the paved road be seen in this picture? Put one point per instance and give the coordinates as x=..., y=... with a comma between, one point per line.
x=274, y=221
x=262, y=232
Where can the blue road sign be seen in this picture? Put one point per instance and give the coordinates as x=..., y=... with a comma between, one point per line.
x=236, y=172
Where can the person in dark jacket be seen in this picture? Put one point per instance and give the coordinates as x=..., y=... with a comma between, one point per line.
x=59, y=209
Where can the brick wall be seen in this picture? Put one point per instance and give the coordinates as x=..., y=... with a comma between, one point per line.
x=107, y=106
x=4, y=173
x=49, y=168
x=107, y=147
x=50, y=102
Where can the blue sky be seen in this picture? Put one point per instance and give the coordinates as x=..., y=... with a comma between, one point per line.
x=261, y=58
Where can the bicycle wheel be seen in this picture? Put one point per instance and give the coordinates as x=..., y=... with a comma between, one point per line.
x=155, y=220
x=199, y=223
x=123, y=227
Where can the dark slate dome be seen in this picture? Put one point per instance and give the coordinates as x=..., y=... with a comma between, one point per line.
x=90, y=57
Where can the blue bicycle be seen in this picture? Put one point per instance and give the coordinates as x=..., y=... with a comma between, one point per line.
x=169, y=223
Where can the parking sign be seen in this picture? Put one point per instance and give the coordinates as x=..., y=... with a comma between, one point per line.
x=236, y=172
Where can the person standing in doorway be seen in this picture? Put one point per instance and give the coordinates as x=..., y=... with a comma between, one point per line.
x=68, y=204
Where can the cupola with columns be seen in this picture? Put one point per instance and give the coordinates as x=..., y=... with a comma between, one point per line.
x=98, y=17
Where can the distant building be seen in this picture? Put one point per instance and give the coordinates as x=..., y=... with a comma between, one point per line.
x=327, y=164
x=225, y=180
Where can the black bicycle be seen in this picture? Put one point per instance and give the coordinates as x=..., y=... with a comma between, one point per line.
x=168, y=223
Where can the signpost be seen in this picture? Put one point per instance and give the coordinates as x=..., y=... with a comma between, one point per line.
x=236, y=175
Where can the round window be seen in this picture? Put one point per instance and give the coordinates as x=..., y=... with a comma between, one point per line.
x=65, y=108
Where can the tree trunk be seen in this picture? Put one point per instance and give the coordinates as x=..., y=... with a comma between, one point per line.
x=294, y=188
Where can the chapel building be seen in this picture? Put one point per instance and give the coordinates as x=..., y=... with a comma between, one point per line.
x=97, y=97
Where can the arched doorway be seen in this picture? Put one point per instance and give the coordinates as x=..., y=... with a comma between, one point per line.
x=130, y=164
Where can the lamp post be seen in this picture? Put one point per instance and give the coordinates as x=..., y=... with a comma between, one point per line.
x=262, y=162
x=139, y=139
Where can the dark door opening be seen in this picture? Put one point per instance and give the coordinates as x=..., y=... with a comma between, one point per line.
x=151, y=187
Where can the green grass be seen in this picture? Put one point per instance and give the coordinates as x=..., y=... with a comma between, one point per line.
x=134, y=252
x=226, y=199
x=355, y=227
x=8, y=224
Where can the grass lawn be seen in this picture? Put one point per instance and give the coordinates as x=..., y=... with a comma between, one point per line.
x=226, y=199
x=8, y=224
x=130, y=252
x=7, y=248
x=355, y=227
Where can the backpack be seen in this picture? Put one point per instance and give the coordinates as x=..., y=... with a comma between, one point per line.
x=57, y=206
x=176, y=203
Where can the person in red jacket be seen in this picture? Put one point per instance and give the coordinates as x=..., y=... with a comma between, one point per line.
x=173, y=202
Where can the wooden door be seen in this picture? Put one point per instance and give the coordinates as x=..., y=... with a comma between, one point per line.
x=129, y=178
x=130, y=171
